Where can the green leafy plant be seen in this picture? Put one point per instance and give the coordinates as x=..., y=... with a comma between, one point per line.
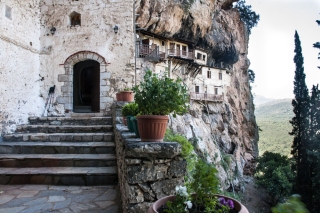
x=161, y=95
x=186, y=146
x=126, y=89
x=199, y=195
x=130, y=109
x=292, y=205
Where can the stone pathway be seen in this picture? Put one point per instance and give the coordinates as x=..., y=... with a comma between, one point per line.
x=57, y=199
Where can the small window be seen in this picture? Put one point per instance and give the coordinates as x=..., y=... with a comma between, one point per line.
x=182, y=70
x=220, y=76
x=197, y=89
x=209, y=74
x=162, y=43
x=216, y=92
x=8, y=12
x=75, y=19
x=204, y=57
x=199, y=56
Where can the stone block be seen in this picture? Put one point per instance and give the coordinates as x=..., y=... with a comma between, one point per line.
x=166, y=187
x=106, y=99
x=152, y=149
x=178, y=168
x=63, y=78
x=140, y=207
x=144, y=173
x=66, y=89
x=105, y=75
x=133, y=161
x=62, y=100
x=104, y=89
x=135, y=194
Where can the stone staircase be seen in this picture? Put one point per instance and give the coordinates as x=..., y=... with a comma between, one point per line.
x=60, y=151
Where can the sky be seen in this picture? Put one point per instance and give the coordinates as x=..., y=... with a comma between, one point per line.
x=271, y=45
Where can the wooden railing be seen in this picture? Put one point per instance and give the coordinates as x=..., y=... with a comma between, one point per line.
x=206, y=97
x=144, y=51
x=180, y=53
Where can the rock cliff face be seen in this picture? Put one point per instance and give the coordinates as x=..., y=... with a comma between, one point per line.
x=224, y=133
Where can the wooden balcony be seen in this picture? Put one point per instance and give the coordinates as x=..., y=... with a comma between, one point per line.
x=150, y=52
x=180, y=54
x=206, y=97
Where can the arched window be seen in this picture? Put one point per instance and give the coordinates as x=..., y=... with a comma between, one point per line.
x=75, y=19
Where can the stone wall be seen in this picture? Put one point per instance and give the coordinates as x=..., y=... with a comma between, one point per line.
x=19, y=63
x=147, y=171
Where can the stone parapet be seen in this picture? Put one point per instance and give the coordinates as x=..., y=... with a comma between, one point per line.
x=147, y=171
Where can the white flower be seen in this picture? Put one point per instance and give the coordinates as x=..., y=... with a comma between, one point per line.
x=189, y=204
x=182, y=191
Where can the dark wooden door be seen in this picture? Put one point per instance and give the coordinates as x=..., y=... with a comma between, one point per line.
x=95, y=103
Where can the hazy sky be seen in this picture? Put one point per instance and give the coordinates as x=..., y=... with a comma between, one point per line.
x=271, y=45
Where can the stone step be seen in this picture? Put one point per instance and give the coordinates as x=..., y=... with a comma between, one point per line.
x=70, y=120
x=57, y=148
x=64, y=128
x=57, y=137
x=80, y=176
x=56, y=160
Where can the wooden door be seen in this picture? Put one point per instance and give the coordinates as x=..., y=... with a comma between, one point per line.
x=95, y=103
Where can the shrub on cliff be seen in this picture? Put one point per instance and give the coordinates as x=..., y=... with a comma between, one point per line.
x=249, y=17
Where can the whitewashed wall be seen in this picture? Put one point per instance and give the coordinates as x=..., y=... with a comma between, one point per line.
x=19, y=63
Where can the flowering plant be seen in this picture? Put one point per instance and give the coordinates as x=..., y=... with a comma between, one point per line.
x=204, y=186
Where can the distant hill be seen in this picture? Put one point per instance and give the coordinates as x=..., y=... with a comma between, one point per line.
x=259, y=99
x=273, y=119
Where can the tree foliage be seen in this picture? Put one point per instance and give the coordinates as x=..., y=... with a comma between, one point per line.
x=252, y=75
x=274, y=174
x=317, y=44
x=249, y=17
x=300, y=123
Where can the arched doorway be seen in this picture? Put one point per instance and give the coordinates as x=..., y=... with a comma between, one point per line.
x=86, y=86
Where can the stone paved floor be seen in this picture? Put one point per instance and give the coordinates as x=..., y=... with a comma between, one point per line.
x=57, y=199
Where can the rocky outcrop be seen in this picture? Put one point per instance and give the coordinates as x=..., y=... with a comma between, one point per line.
x=223, y=133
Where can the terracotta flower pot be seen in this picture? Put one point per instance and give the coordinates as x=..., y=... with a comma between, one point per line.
x=152, y=128
x=119, y=96
x=125, y=96
x=153, y=208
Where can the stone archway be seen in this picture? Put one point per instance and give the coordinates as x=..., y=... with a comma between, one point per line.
x=66, y=97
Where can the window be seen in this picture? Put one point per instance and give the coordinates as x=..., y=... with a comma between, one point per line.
x=199, y=56
x=216, y=91
x=197, y=89
x=8, y=12
x=182, y=70
x=162, y=43
x=220, y=76
x=75, y=19
x=184, y=50
x=204, y=57
x=209, y=74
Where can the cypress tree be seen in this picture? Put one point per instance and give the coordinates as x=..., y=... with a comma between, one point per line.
x=300, y=125
x=313, y=151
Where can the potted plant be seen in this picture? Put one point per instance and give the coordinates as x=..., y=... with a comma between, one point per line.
x=125, y=95
x=129, y=110
x=199, y=196
x=157, y=96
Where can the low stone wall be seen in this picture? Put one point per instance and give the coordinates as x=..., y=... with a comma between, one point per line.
x=147, y=171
